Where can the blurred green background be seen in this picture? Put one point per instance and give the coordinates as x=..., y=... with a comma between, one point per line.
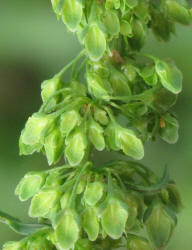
x=34, y=46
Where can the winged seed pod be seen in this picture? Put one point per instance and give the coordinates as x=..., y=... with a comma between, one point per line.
x=137, y=243
x=72, y=13
x=159, y=224
x=43, y=202
x=96, y=135
x=30, y=185
x=68, y=121
x=13, y=245
x=114, y=217
x=93, y=193
x=76, y=146
x=95, y=42
x=91, y=223
x=35, y=129
x=67, y=229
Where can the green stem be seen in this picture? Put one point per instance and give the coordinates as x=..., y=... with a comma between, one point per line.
x=78, y=178
x=82, y=53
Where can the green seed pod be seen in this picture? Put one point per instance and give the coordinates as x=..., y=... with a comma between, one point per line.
x=69, y=120
x=111, y=22
x=139, y=35
x=53, y=179
x=112, y=4
x=130, y=71
x=164, y=99
x=114, y=217
x=28, y=149
x=76, y=146
x=64, y=201
x=40, y=243
x=131, y=3
x=48, y=89
x=178, y=13
x=43, y=202
x=132, y=204
x=96, y=135
x=130, y=143
x=35, y=129
x=72, y=14
x=119, y=83
x=111, y=137
x=159, y=225
x=54, y=146
x=93, y=193
x=171, y=197
x=30, y=185
x=101, y=116
x=126, y=29
x=98, y=87
x=149, y=75
x=91, y=223
x=14, y=245
x=67, y=229
x=137, y=243
x=169, y=132
x=83, y=244
x=95, y=43
x=170, y=76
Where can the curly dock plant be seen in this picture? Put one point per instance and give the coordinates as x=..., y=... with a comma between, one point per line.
x=120, y=204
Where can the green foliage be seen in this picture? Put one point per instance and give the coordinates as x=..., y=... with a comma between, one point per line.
x=83, y=206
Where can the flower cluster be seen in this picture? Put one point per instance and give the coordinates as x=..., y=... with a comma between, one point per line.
x=117, y=99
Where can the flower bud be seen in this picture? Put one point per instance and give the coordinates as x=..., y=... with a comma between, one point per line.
x=14, y=245
x=91, y=223
x=111, y=22
x=170, y=76
x=114, y=217
x=93, y=193
x=76, y=146
x=43, y=202
x=35, y=129
x=54, y=146
x=95, y=43
x=119, y=83
x=30, y=185
x=169, y=132
x=137, y=243
x=98, y=87
x=67, y=229
x=159, y=224
x=72, y=14
x=96, y=135
x=178, y=13
x=69, y=120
